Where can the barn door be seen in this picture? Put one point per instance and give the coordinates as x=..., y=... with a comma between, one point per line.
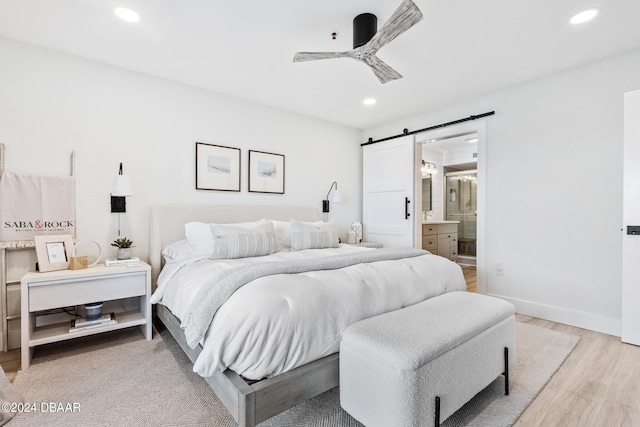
x=388, y=184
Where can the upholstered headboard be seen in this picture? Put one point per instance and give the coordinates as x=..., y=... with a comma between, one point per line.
x=167, y=222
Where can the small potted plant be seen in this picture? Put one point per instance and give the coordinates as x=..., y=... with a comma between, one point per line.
x=124, y=246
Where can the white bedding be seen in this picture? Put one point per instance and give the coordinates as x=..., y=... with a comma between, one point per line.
x=276, y=323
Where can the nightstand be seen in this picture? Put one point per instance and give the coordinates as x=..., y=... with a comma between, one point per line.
x=366, y=244
x=66, y=288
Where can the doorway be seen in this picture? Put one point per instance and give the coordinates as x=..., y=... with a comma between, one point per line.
x=457, y=155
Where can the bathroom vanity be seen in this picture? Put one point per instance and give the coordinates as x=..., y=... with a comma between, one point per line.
x=441, y=238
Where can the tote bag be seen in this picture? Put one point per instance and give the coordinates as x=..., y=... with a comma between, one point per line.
x=33, y=205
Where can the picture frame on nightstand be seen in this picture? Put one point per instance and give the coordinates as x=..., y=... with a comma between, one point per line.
x=53, y=252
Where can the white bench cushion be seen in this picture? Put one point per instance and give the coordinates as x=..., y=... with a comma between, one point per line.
x=410, y=337
x=393, y=366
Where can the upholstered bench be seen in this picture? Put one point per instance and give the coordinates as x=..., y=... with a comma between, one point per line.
x=420, y=364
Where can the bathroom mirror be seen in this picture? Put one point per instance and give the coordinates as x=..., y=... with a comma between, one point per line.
x=426, y=193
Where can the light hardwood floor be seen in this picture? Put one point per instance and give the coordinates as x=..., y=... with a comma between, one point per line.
x=10, y=362
x=469, y=272
x=597, y=386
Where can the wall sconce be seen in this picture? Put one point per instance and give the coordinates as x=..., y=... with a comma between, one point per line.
x=121, y=189
x=335, y=197
x=428, y=168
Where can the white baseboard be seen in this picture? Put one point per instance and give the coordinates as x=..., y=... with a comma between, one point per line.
x=580, y=319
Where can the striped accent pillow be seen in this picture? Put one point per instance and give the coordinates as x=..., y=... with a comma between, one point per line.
x=236, y=242
x=313, y=235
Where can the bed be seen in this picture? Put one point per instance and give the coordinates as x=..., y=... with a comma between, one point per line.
x=257, y=386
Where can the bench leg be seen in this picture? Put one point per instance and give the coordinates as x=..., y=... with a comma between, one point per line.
x=506, y=371
x=506, y=386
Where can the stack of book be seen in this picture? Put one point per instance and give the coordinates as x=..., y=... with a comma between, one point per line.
x=83, y=324
x=111, y=262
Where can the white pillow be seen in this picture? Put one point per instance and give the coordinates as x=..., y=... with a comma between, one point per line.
x=176, y=251
x=283, y=234
x=237, y=242
x=199, y=236
x=201, y=241
x=313, y=235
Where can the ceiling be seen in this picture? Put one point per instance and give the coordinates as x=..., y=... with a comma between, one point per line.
x=460, y=50
x=456, y=142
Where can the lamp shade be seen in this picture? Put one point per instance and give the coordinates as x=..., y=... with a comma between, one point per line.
x=121, y=186
x=335, y=196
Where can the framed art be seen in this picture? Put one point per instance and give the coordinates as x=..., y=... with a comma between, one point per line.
x=266, y=172
x=217, y=167
x=54, y=252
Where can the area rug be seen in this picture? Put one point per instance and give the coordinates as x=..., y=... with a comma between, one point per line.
x=120, y=379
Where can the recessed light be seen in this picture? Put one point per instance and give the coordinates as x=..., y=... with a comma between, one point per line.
x=584, y=16
x=369, y=101
x=471, y=140
x=126, y=14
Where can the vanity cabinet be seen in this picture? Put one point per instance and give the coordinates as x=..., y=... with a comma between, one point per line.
x=441, y=239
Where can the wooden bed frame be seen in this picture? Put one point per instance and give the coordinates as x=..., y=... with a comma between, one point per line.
x=249, y=404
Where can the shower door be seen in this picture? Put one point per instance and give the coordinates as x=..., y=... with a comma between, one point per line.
x=461, y=204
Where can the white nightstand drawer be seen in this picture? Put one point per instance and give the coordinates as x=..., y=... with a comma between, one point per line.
x=77, y=292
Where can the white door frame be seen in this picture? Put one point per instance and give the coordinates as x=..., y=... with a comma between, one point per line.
x=630, y=331
x=480, y=127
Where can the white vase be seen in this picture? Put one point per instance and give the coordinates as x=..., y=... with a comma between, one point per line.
x=123, y=253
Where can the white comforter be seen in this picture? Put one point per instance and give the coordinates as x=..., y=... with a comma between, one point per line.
x=276, y=323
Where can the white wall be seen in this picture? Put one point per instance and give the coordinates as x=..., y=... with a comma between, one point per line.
x=51, y=104
x=554, y=189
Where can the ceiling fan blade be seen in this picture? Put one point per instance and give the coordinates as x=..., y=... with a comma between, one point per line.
x=405, y=17
x=383, y=72
x=313, y=56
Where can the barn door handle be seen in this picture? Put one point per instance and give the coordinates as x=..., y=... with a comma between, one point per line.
x=406, y=208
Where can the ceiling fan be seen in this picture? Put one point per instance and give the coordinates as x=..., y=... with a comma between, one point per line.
x=367, y=42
